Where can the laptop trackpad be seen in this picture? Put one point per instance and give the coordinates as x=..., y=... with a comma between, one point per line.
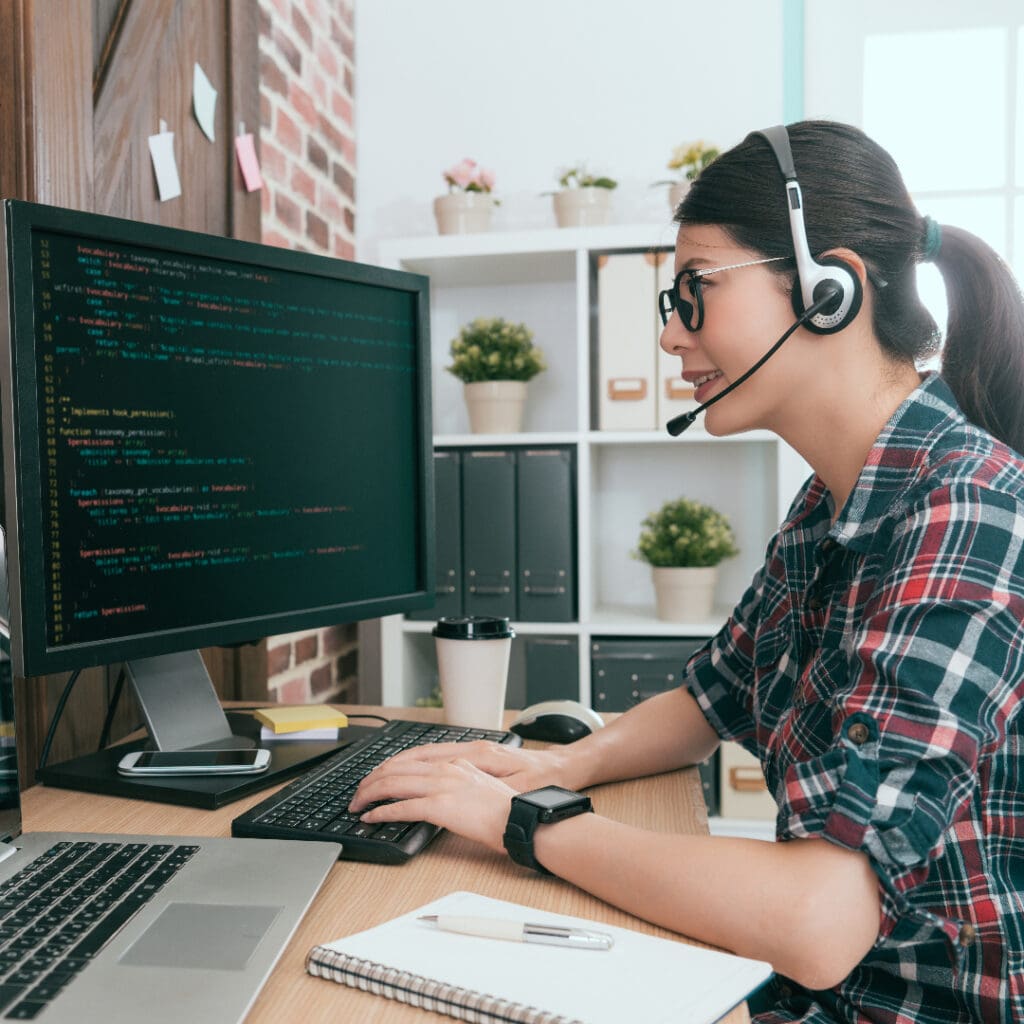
x=204, y=935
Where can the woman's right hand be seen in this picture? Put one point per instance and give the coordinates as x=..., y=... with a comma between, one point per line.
x=517, y=767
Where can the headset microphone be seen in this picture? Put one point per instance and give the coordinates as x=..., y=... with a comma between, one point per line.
x=678, y=424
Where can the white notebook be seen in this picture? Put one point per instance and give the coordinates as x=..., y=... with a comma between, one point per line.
x=641, y=977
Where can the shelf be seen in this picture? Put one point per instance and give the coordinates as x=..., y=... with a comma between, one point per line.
x=632, y=621
x=646, y=437
x=506, y=440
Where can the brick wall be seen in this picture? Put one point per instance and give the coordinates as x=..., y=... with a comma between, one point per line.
x=307, y=134
x=307, y=158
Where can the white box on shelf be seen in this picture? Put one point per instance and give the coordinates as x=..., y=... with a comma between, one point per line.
x=743, y=793
x=675, y=396
x=625, y=342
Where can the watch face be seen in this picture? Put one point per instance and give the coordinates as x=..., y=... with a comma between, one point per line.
x=551, y=797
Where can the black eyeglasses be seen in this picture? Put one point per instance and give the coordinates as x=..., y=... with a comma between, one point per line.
x=692, y=313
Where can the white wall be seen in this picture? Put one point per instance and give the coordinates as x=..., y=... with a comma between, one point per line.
x=530, y=86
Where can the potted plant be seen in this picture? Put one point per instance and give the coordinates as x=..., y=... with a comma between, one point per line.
x=687, y=160
x=494, y=359
x=684, y=542
x=584, y=198
x=469, y=205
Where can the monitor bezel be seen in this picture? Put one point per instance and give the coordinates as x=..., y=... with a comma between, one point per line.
x=20, y=432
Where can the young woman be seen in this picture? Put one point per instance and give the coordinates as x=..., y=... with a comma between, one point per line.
x=876, y=663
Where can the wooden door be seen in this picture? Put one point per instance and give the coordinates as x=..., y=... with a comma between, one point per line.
x=83, y=83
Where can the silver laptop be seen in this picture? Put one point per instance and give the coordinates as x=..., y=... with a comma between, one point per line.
x=190, y=935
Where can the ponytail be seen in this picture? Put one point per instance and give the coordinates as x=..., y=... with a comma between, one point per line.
x=983, y=358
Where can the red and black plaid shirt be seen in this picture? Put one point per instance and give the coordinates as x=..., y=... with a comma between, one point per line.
x=876, y=668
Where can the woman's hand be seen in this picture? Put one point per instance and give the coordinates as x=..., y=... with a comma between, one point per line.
x=463, y=787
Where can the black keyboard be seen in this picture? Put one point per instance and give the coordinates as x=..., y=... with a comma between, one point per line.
x=315, y=806
x=60, y=910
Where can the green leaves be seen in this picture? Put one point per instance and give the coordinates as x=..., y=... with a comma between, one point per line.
x=686, y=534
x=493, y=349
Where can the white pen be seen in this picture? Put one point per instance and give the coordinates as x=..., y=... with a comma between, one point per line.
x=521, y=931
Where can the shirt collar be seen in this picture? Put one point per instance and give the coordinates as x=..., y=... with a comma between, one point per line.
x=897, y=460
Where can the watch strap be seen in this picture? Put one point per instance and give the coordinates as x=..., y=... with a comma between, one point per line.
x=523, y=819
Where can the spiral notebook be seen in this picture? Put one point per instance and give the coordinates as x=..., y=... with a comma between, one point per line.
x=659, y=981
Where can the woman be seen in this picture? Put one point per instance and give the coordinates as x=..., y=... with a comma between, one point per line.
x=876, y=663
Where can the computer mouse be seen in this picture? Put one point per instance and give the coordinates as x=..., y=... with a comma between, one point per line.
x=556, y=721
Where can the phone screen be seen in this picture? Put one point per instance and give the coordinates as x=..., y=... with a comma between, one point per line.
x=196, y=758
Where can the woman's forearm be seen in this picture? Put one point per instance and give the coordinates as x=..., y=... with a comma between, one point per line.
x=808, y=907
x=661, y=734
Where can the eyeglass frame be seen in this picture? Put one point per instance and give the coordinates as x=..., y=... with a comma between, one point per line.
x=695, y=274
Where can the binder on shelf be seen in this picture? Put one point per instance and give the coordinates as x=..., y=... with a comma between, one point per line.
x=545, y=535
x=674, y=396
x=552, y=668
x=448, y=542
x=743, y=792
x=489, y=532
x=626, y=347
x=625, y=672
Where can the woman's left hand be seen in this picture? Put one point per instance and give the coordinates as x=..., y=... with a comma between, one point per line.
x=454, y=794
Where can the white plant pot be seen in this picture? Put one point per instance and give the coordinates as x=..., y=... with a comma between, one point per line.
x=676, y=193
x=582, y=207
x=495, y=406
x=463, y=212
x=684, y=595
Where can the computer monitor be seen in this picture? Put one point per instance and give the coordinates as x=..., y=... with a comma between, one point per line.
x=205, y=441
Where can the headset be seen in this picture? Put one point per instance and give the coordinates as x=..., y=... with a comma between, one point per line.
x=827, y=295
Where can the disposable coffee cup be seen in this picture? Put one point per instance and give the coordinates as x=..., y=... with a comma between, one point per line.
x=472, y=662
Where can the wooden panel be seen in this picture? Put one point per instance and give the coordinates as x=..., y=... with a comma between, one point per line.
x=243, y=106
x=58, y=114
x=13, y=151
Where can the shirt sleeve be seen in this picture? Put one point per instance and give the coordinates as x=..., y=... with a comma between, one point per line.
x=926, y=692
x=721, y=674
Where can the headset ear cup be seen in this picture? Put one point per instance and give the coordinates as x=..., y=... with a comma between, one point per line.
x=846, y=309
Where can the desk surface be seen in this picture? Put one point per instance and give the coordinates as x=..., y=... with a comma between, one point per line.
x=357, y=896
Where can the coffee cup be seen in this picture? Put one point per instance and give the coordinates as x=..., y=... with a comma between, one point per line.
x=472, y=662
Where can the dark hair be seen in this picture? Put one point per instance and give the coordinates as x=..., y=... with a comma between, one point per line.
x=855, y=198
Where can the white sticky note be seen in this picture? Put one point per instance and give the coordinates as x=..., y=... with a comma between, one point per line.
x=245, y=149
x=204, y=100
x=161, y=151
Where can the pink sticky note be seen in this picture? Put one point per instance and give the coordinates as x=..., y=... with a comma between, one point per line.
x=245, y=149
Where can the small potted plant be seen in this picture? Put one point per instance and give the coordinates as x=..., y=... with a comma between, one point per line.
x=584, y=198
x=469, y=205
x=687, y=160
x=684, y=542
x=494, y=359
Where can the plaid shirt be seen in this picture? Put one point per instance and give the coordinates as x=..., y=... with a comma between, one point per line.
x=876, y=668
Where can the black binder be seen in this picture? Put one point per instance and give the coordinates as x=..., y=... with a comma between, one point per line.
x=448, y=534
x=546, y=536
x=489, y=532
x=552, y=668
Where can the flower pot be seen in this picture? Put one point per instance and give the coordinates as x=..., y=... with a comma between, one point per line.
x=684, y=595
x=461, y=212
x=676, y=193
x=582, y=207
x=495, y=406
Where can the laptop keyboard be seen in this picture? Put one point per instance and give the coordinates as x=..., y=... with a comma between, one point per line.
x=315, y=806
x=60, y=910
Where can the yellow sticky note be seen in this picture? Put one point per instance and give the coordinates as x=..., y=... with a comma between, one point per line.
x=297, y=718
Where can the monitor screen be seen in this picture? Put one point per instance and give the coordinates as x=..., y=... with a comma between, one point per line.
x=205, y=441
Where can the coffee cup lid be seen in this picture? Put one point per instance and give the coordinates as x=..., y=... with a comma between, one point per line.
x=473, y=627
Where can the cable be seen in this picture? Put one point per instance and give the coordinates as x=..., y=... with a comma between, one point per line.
x=48, y=742
x=111, y=708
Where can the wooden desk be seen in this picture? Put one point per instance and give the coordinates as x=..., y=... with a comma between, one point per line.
x=357, y=896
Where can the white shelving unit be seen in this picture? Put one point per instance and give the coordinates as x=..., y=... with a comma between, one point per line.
x=542, y=278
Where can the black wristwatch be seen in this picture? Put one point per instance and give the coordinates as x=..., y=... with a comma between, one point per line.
x=539, y=807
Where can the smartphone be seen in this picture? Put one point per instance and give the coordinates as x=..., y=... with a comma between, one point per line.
x=194, y=762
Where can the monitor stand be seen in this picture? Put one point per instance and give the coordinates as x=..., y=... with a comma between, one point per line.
x=180, y=705
x=181, y=710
